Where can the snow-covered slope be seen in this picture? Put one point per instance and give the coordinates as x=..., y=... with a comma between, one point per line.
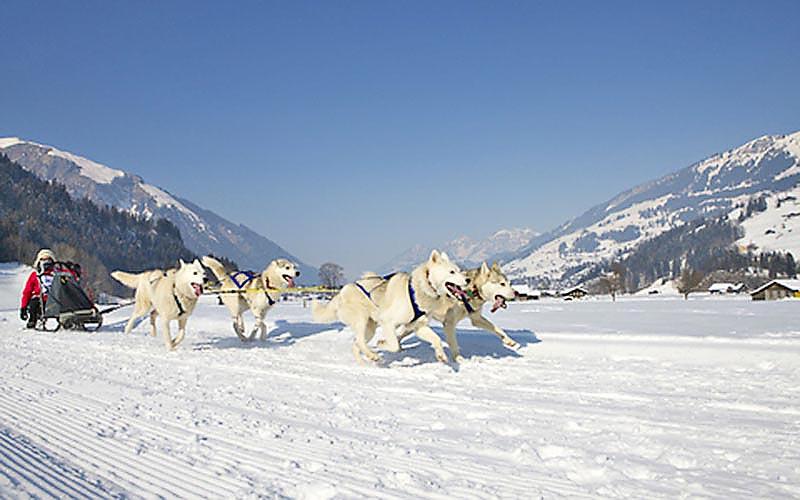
x=203, y=231
x=777, y=228
x=713, y=186
x=655, y=399
x=465, y=250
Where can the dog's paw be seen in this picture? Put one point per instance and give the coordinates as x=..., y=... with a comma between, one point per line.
x=511, y=343
x=441, y=356
x=459, y=358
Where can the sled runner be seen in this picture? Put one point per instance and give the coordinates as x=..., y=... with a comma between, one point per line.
x=68, y=305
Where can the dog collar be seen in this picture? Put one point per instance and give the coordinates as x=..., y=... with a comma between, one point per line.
x=267, y=287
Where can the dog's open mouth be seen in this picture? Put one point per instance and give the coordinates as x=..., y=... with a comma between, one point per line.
x=454, y=290
x=499, y=301
x=289, y=280
x=198, y=289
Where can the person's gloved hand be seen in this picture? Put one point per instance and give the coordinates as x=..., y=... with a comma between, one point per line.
x=23, y=313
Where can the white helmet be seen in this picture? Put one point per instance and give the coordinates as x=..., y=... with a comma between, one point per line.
x=44, y=253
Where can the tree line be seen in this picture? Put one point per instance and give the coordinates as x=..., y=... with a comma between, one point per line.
x=693, y=251
x=38, y=214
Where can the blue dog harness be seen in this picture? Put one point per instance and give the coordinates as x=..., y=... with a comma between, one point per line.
x=236, y=277
x=418, y=313
x=241, y=278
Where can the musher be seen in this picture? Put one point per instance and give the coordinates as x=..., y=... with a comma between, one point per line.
x=34, y=295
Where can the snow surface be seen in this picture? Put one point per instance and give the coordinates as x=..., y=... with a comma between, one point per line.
x=94, y=171
x=164, y=199
x=6, y=142
x=639, y=398
x=777, y=228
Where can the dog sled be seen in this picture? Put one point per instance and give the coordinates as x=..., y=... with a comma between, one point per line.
x=68, y=304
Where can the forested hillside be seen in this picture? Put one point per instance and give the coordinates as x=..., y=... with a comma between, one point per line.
x=36, y=214
x=704, y=245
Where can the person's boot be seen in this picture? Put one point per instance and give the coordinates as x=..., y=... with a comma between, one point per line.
x=34, y=311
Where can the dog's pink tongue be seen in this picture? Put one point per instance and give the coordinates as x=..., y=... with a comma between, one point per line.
x=291, y=281
x=456, y=291
x=198, y=289
x=498, y=303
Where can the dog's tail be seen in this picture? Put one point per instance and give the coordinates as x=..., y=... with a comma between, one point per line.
x=128, y=279
x=216, y=266
x=326, y=313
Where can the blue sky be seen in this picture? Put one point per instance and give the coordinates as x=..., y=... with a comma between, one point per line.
x=349, y=131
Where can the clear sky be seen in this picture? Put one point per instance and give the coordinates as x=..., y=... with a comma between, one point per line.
x=347, y=131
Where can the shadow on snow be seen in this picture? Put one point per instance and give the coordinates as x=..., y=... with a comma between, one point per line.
x=473, y=344
x=281, y=335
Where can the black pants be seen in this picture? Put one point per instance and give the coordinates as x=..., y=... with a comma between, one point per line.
x=34, y=311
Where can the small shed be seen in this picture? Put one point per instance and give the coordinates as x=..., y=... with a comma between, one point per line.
x=777, y=289
x=575, y=292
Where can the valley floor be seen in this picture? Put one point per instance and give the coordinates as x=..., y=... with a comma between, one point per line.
x=639, y=398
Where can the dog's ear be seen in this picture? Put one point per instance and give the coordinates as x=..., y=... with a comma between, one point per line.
x=495, y=266
x=181, y=263
x=445, y=257
x=484, y=269
x=434, y=256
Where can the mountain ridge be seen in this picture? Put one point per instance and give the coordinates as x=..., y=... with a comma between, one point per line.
x=466, y=251
x=715, y=185
x=204, y=231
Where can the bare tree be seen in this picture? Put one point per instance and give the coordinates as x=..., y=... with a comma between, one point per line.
x=689, y=280
x=331, y=275
x=613, y=281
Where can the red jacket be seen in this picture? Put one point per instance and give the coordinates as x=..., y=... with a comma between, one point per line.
x=33, y=288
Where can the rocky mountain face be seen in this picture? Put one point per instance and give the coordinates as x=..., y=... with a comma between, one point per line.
x=720, y=184
x=203, y=231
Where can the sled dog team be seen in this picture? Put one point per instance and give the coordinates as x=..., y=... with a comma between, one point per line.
x=401, y=303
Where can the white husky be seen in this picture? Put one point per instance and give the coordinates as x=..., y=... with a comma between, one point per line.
x=171, y=294
x=487, y=283
x=254, y=293
x=399, y=300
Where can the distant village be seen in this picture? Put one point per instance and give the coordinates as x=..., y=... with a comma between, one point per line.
x=773, y=290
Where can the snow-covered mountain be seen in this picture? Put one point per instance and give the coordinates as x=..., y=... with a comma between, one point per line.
x=203, y=231
x=465, y=250
x=769, y=165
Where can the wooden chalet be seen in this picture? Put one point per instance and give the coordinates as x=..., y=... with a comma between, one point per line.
x=777, y=289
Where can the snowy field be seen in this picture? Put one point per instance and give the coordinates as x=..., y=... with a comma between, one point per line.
x=642, y=398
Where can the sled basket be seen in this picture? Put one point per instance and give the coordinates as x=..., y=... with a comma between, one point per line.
x=69, y=304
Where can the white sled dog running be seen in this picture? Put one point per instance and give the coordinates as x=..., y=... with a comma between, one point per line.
x=400, y=300
x=487, y=283
x=170, y=295
x=258, y=294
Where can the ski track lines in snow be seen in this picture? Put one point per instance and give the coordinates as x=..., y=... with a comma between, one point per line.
x=577, y=415
x=99, y=416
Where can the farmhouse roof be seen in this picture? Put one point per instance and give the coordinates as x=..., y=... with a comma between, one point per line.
x=793, y=285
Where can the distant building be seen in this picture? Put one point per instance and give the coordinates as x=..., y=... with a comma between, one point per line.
x=575, y=292
x=777, y=289
x=525, y=292
x=725, y=288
